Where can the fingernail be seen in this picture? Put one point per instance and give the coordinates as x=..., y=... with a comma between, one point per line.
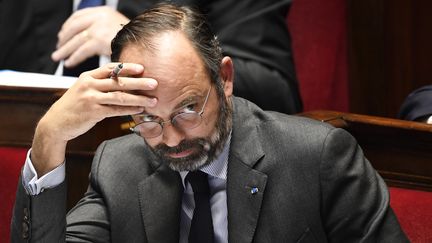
x=138, y=68
x=54, y=56
x=152, y=83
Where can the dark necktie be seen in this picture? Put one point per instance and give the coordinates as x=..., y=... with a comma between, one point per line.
x=91, y=62
x=201, y=230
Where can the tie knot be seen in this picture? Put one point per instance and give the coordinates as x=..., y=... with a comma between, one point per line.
x=198, y=181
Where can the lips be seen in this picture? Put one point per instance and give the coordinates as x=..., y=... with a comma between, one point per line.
x=181, y=154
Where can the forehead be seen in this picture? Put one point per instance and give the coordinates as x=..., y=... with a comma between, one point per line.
x=172, y=61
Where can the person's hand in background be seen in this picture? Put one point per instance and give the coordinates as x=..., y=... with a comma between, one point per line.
x=86, y=33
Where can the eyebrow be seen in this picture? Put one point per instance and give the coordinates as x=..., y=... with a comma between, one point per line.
x=186, y=101
x=182, y=103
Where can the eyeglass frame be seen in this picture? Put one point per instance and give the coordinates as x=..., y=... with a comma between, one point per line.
x=162, y=122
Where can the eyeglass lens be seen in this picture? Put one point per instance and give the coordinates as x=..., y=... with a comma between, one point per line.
x=182, y=121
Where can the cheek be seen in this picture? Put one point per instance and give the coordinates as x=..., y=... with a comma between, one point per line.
x=209, y=122
x=201, y=131
x=210, y=117
x=153, y=142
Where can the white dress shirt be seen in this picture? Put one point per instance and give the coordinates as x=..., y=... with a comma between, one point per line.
x=35, y=185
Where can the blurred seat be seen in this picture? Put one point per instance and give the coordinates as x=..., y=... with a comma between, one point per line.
x=11, y=161
x=414, y=211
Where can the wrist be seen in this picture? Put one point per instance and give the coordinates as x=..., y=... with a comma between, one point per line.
x=48, y=149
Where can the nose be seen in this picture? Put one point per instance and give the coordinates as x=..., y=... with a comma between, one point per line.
x=171, y=135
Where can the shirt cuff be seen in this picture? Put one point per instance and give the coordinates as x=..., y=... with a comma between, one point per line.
x=429, y=120
x=35, y=185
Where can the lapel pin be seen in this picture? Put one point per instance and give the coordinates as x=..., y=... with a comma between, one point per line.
x=254, y=190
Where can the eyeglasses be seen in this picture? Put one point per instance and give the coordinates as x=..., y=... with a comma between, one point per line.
x=185, y=120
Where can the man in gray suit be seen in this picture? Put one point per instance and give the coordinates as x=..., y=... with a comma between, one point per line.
x=272, y=177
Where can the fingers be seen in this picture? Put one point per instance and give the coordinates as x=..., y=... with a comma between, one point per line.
x=81, y=53
x=110, y=91
x=78, y=49
x=95, y=96
x=75, y=24
x=128, y=70
x=112, y=111
x=125, y=84
x=124, y=99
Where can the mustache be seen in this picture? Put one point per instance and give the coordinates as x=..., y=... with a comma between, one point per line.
x=182, y=146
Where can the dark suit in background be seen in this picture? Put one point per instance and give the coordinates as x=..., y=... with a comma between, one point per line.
x=253, y=33
x=417, y=105
x=29, y=31
x=314, y=185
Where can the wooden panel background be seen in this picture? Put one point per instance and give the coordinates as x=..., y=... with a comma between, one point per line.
x=389, y=49
x=401, y=151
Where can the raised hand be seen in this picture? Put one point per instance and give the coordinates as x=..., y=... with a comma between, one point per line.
x=92, y=98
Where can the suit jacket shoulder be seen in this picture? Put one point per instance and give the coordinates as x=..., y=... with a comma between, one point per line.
x=312, y=178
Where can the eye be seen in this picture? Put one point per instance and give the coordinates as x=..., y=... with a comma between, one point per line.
x=187, y=108
x=144, y=118
x=147, y=118
x=190, y=107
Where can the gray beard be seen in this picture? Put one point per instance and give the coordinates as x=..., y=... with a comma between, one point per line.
x=205, y=149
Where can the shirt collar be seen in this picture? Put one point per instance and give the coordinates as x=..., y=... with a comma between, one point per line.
x=218, y=167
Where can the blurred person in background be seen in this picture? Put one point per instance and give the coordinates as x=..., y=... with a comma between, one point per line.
x=417, y=106
x=38, y=35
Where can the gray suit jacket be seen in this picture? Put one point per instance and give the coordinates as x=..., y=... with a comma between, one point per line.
x=314, y=185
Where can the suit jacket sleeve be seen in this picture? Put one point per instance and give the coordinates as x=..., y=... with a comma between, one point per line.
x=88, y=221
x=42, y=218
x=39, y=218
x=355, y=200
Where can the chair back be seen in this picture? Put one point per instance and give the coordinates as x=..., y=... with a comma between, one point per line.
x=413, y=209
x=11, y=161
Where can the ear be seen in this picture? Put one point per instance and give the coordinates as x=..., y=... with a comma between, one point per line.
x=227, y=75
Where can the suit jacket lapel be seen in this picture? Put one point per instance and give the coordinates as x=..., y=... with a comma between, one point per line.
x=160, y=196
x=245, y=185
